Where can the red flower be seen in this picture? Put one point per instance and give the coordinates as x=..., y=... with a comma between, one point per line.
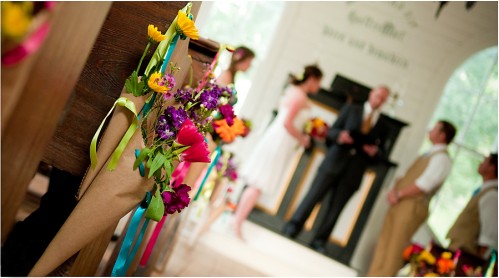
x=196, y=153
x=188, y=135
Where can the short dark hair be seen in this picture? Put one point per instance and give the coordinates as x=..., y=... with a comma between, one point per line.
x=493, y=161
x=448, y=129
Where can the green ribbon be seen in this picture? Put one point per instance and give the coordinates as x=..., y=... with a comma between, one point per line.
x=123, y=102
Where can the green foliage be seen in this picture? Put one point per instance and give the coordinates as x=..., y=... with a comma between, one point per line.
x=134, y=86
x=156, y=208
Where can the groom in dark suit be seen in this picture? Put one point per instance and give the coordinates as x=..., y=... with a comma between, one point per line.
x=355, y=140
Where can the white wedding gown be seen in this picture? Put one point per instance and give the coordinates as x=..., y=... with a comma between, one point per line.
x=266, y=167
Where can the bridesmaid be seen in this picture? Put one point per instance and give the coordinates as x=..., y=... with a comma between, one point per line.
x=240, y=62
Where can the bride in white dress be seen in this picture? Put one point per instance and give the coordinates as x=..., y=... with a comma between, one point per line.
x=267, y=163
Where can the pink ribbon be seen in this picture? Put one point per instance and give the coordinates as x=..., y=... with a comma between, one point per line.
x=208, y=72
x=29, y=46
x=152, y=242
x=178, y=177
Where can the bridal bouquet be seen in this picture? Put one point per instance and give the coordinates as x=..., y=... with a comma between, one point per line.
x=316, y=128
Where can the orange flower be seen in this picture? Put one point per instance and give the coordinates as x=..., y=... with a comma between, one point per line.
x=445, y=264
x=229, y=133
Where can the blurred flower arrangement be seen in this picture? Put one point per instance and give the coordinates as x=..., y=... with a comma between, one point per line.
x=316, y=128
x=435, y=261
x=24, y=28
x=228, y=168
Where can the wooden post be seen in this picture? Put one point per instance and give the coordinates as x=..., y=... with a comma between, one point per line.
x=50, y=82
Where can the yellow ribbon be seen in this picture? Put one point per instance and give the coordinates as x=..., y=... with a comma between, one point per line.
x=123, y=102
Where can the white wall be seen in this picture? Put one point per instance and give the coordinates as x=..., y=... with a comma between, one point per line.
x=420, y=52
x=399, y=44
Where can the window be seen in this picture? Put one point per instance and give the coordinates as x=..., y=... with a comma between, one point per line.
x=469, y=102
x=248, y=23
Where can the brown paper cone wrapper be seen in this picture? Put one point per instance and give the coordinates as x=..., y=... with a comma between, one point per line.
x=109, y=197
x=118, y=125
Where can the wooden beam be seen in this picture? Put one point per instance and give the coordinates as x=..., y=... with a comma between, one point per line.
x=50, y=84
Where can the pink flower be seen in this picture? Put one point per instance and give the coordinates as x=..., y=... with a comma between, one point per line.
x=196, y=153
x=188, y=135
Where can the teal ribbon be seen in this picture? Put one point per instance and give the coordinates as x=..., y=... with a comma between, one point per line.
x=169, y=52
x=142, y=170
x=125, y=256
x=218, y=151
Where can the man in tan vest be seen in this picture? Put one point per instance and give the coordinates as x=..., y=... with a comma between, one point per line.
x=409, y=200
x=475, y=230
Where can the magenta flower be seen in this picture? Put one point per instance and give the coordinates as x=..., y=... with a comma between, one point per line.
x=177, y=200
x=188, y=135
x=228, y=113
x=196, y=153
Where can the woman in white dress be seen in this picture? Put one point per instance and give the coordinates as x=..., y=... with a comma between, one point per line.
x=267, y=164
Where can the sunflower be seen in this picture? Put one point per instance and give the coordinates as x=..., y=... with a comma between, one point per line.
x=186, y=26
x=154, y=34
x=153, y=81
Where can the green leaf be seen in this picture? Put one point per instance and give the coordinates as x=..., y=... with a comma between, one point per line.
x=168, y=168
x=158, y=161
x=149, y=163
x=180, y=150
x=143, y=154
x=133, y=85
x=156, y=208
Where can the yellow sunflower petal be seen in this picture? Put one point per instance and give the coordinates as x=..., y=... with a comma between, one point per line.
x=154, y=34
x=187, y=26
x=153, y=83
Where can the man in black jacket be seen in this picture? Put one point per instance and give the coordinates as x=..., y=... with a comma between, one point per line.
x=355, y=140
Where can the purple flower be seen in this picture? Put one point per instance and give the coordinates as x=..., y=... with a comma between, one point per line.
x=183, y=95
x=163, y=129
x=209, y=99
x=228, y=113
x=176, y=117
x=177, y=199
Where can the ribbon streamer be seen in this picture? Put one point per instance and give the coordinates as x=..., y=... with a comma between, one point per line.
x=169, y=52
x=178, y=177
x=124, y=102
x=28, y=47
x=142, y=170
x=493, y=260
x=214, y=161
x=125, y=256
x=152, y=242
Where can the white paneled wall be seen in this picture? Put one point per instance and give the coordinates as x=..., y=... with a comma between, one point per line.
x=349, y=38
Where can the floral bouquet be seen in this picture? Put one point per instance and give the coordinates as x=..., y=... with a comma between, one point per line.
x=227, y=169
x=429, y=262
x=25, y=26
x=137, y=173
x=316, y=128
